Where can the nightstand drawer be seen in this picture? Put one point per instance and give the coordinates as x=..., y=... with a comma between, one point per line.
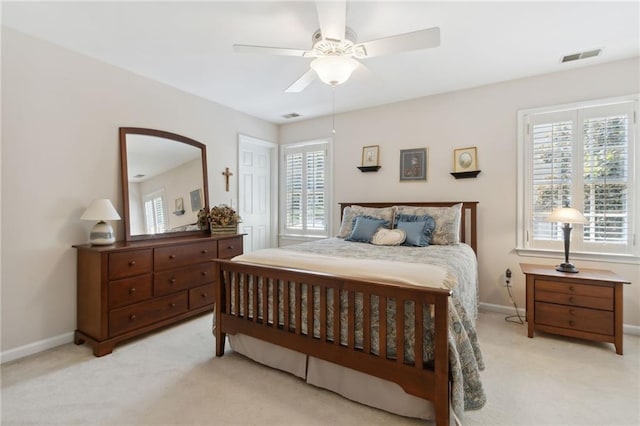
x=201, y=296
x=574, y=300
x=183, y=278
x=589, y=320
x=575, y=289
x=230, y=247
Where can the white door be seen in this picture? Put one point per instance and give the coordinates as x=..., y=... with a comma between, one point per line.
x=255, y=199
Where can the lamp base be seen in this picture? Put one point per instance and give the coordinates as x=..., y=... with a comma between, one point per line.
x=102, y=234
x=567, y=267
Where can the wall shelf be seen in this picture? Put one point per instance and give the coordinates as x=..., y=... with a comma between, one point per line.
x=364, y=169
x=466, y=175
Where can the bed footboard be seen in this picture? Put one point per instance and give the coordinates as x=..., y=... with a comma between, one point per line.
x=239, y=301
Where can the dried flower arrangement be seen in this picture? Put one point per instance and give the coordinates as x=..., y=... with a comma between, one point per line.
x=219, y=216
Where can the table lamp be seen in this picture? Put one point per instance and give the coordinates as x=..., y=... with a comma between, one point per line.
x=566, y=215
x=101, y=210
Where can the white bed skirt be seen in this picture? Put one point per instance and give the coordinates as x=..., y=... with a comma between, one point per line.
x=351, y=384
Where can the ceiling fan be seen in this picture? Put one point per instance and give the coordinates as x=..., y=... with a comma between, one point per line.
x=335, y=47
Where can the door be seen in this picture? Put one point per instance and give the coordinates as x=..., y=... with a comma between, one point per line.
x=256, y=197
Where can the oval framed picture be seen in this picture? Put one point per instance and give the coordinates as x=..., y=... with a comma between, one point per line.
x=465, y=159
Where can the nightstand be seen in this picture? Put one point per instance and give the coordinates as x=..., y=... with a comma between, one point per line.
x=587, y=305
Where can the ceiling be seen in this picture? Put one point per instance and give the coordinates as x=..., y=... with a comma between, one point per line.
x=188, y=45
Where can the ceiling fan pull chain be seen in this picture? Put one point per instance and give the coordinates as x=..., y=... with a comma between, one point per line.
x=333, y=115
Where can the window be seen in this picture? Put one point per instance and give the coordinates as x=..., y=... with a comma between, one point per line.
x=306, y=189
x=584, y=156
x=154, y=213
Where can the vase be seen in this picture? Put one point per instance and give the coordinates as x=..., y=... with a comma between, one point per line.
x=224, y=229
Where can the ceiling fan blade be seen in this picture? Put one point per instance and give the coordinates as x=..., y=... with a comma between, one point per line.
x=332, y=16
x=243, y=48
x=300, y=84
x=416, y=40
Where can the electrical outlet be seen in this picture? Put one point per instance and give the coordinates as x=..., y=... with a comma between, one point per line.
x=507, y=278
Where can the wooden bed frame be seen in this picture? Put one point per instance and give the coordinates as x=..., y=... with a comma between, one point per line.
x=429, y=381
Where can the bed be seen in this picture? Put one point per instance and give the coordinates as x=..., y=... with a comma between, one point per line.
x=278, y=307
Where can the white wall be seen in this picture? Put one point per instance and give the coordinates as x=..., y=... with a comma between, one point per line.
x=484, y=117
x=60, y=117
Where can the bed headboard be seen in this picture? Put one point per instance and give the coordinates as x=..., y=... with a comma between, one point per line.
x=468, y=220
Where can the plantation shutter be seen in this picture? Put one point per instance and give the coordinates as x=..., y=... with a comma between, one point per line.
x=155, y=220
x=295, y=178
x=315, y=190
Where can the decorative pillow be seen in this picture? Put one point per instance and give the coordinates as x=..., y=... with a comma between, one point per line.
x=417, y=235
x=364, y=227
x=351, y=212
x=388, y=237
x=447, y=230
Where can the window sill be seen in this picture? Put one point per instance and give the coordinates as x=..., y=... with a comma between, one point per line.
x=303, y=237
x=594, y=257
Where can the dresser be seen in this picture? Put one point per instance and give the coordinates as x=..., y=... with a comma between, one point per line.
x=130, y=288
x=586, y=305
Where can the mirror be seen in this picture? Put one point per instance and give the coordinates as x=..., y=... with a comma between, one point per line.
x=164, y=183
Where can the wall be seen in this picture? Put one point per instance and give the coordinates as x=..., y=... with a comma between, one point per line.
x=484, y=117
x=60, y=117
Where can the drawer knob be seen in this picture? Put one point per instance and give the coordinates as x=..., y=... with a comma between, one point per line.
x=172, y=305
x=205, y=251
x=132, y=290
x=172, y=281
x=572, y=312
x=572, y=323
x=230, y=247
x=204, y=295
x=204, y=273
x=572, y=299
x=571, y=288
x=132, y=263
x=132, y=318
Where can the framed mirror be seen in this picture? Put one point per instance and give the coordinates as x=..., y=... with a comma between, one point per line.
x=164, y=183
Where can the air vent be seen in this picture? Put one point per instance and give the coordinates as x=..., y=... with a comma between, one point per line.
x=581, y=55
x=291, y=115
x=139, y=176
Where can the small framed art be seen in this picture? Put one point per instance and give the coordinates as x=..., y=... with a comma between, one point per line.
x=196, y=199
x=465, y=159
x=370, y=155
x=413, y=164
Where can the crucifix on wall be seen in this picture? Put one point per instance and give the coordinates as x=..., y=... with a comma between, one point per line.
x=226, y=174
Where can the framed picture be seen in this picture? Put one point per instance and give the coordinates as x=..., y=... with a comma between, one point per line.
x=370, y=155
x=179, y=205
x=196, y=199
x=465, y=159
x=413, y=164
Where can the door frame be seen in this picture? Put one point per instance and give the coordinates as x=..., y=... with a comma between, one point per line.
x=244, y=140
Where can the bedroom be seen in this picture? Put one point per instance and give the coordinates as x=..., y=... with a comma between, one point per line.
x=61, y=111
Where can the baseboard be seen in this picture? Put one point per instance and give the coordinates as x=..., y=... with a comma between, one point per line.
x=35, y=347
x=501, y=309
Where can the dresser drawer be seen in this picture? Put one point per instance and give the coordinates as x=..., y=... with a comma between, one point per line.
x=574, y=289
x=589, y=320
x=230, y=247
x=184, y=254
x=130, y=263
x=183, y=278
x=201, y=296
x=568, y=299
x=134, y=316
x=129, y=290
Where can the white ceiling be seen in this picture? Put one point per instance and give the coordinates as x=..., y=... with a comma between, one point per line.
x=189, y=45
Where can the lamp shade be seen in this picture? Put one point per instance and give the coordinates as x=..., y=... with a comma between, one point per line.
x=334, y=70
x=100, y=209
x=566, y=215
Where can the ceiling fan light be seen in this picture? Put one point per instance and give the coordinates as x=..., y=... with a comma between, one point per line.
x=334, y=70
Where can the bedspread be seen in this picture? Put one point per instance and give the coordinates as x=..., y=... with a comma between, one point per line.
x=452, y=267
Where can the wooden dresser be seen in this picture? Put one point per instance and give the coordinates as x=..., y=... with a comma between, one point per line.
x=586, y=305
x=130, y=288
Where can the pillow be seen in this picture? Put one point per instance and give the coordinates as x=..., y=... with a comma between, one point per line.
x=350, y=213
x=364, y=227
x=447, y=230
x=417, y=235
x=388, y=237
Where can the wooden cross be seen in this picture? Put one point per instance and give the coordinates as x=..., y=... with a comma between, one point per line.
x=226, y=174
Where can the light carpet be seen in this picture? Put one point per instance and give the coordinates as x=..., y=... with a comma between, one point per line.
x=172, y=377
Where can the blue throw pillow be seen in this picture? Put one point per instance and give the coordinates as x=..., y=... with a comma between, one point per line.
x=419, y=229
x=364, y=227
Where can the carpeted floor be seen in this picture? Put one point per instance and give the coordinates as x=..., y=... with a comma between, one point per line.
x=172, y=378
